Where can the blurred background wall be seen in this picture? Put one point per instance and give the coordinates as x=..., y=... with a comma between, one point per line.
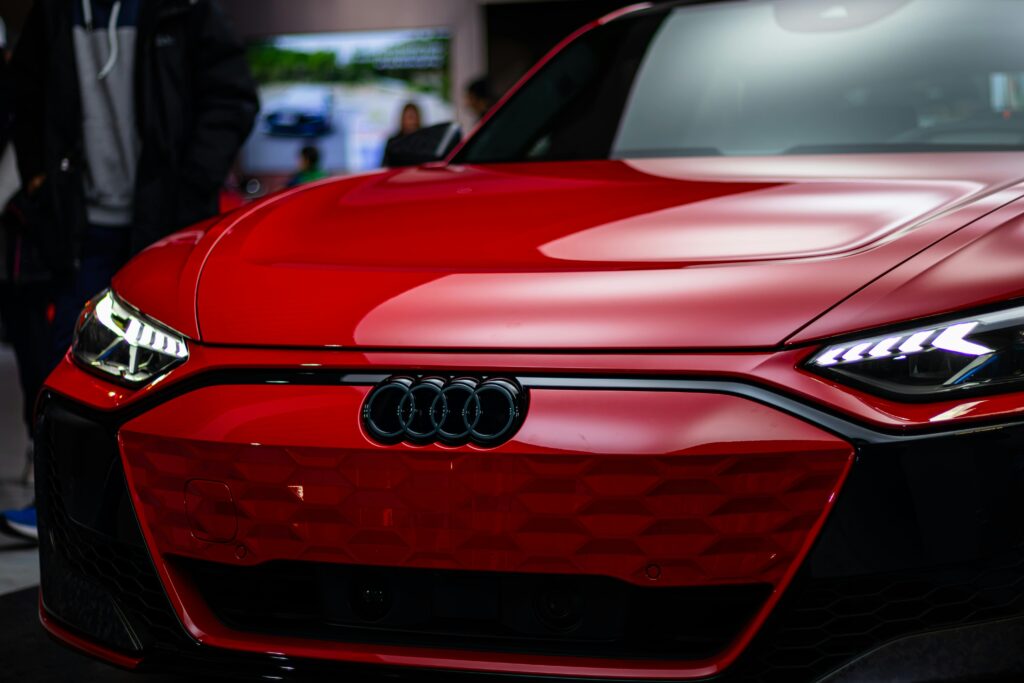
x=501, y=38
x=335, y=74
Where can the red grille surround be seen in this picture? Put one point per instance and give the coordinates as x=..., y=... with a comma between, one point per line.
x=687, y=488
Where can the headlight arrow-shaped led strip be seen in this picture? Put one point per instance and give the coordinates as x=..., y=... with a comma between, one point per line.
x=952, y=338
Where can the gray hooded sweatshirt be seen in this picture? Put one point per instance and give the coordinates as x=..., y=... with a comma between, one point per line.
x=104, y=35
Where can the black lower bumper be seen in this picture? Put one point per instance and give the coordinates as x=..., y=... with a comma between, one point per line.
x=923, y=554
x=927, y=537
x=97, y=576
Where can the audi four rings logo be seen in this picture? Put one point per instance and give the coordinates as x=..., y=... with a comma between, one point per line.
x=451, y=411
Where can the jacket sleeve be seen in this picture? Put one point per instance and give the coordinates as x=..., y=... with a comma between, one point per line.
x=225, y=100
x=29, y=68
x=6, y=104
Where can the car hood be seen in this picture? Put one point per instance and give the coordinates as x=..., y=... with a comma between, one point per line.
x=655, y=254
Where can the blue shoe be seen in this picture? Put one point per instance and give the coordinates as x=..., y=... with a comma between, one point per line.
x=21, y=523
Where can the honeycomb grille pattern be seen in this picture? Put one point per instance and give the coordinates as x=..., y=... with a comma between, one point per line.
x=119, y=566
x=824, y=623
x=701, y=519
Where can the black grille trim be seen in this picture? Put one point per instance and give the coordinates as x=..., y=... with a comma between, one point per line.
x=98, y=577
x=490, y=611
x=923, y=538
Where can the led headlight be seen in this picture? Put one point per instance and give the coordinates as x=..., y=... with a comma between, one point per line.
x=117, y=340
x=968, y=354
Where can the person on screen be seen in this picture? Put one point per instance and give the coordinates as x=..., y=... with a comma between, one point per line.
x=309, y=168
x=410, y=122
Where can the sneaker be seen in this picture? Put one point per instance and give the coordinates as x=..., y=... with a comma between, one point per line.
x=21, y=523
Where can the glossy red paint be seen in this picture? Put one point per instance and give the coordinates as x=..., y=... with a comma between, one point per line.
x=714, y=489
x=163, y=277
x=84, y=645
x=210, y=511
x=588, y=255
x=977, y=266
x=602, y=494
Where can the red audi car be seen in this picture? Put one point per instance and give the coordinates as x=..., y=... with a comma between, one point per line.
x=702, y=358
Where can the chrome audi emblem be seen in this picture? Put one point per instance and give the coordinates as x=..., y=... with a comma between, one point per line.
x=451, y=411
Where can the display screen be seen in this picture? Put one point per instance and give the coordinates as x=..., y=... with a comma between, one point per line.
x=344, y=94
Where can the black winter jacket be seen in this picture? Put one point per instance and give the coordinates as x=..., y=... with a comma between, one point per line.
x=195, y=106
x=6, y=103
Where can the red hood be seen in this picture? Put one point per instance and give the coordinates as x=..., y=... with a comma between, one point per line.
x=671, y=254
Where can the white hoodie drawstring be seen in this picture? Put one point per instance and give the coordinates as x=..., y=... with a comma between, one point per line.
x=112, y=41
x=87, y=13
x=115, y=13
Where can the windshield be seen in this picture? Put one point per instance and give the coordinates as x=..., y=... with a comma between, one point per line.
x=773, y=78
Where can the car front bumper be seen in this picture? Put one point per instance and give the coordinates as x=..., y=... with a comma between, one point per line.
x=689, y=528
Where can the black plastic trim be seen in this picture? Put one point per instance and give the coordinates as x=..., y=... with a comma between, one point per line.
x=487, y=611
x=829, y=420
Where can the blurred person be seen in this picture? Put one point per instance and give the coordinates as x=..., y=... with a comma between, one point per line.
x=128, y=116
x=410, y=121
x=309, y=167
x=25, y=299
x=6, y=90
x=18, y=283
x=479, y=97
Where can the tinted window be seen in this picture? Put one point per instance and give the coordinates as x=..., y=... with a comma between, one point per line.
x=770, y=78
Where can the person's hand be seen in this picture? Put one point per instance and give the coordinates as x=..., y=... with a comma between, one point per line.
x=35, y=183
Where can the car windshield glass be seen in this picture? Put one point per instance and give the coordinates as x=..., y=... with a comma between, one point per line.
x=774, y=78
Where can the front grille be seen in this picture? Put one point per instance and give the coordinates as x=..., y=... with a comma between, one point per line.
x=924, y=536
x=98, y=577
x=541, y=614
